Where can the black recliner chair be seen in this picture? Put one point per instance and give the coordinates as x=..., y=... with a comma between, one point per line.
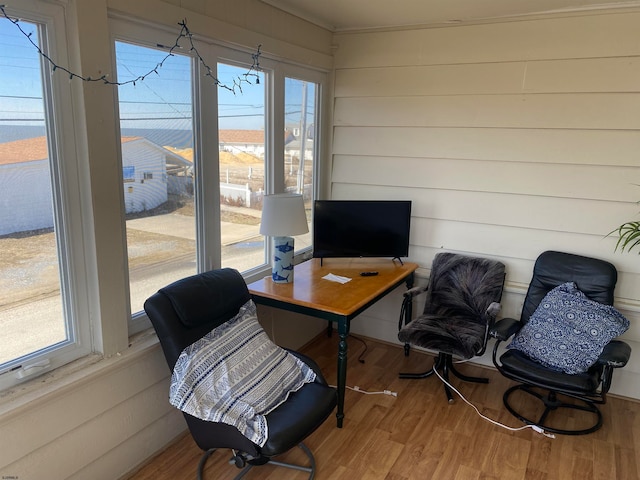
x=462, y=300
x=187, y=310
x=552, y=388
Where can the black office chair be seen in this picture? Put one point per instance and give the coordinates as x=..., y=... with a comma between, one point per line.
x=462, y=300
x=186, y=311
x=549, y=382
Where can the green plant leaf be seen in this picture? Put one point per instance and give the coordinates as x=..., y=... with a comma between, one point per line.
x=629, y=236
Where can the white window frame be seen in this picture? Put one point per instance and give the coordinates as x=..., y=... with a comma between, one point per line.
x=68, y=196
x=318, y=78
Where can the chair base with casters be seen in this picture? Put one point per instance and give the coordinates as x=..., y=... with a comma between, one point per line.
x=444, y=363
x=246, y=463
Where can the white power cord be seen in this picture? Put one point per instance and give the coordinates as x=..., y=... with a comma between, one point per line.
x=536, y=428
x=359, y=390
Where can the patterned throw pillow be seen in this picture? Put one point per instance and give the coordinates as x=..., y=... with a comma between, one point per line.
x=568, y=331
x=236, y=375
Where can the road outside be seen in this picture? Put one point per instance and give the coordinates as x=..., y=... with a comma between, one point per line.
x=153, y=264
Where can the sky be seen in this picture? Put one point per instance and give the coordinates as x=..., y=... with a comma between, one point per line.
x=160, y=101
x=20, y=84
x=167, y=96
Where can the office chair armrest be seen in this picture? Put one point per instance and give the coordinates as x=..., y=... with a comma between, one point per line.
x=493, y=309
x=406, y=307
x=616, y=354
x=505, y=328
x=415, y=291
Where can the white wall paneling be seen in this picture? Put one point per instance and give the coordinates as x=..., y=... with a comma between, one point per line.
x=551, y=146
x=510, y=139
x=591, y=36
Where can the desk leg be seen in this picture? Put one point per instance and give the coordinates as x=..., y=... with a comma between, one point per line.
x=410, y=280
x=343, y=332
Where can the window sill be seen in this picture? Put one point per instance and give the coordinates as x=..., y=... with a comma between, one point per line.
x=34, y=392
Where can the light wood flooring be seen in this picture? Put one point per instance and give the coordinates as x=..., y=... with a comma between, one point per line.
x=418, y=435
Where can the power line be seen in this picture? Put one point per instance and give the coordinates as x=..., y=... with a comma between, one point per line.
x=21, y=119
x=24, y=97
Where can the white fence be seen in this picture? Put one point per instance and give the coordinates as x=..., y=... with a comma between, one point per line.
x=241, y=195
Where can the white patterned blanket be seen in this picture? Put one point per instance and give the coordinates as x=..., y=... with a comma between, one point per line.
x=236, y=375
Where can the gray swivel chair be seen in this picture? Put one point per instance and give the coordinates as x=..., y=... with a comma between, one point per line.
x=462, y=300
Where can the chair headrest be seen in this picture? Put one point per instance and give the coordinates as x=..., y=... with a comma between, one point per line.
x=462, y=283
x=596, y=278
x=209, y=297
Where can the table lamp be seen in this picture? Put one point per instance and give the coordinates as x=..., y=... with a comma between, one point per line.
x=282, y=217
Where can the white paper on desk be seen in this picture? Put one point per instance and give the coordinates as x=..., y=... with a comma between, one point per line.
x=336, y=278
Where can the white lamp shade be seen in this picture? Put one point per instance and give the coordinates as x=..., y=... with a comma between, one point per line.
x=283, y=215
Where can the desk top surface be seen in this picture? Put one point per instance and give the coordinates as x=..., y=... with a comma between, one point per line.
x=309, y=289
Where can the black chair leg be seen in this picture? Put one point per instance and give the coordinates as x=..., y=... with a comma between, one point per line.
x=467, y=378
x=446, y=361
x=437, y=364
x=203, y=461
x=311, y=469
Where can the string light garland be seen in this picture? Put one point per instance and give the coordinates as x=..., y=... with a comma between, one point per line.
x=250, y=77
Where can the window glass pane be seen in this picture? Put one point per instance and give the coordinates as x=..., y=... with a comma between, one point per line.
x=156, y=123
x=32, y=315
x=241, y=117
x=300, y=145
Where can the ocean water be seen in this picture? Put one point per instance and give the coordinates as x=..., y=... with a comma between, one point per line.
x=164, y=137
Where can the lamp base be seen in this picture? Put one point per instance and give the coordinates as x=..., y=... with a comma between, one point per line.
x=282, y=271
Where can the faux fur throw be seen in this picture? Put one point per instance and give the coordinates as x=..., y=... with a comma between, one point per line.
x=461, y=305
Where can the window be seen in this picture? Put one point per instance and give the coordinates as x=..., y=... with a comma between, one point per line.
x=300, y=149
x=129, y=173
x=41, y=289
x=223, y=147
x=156, y=126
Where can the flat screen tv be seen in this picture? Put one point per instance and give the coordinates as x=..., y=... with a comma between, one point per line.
x=361, y=228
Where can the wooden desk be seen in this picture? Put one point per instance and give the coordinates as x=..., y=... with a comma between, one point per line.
x=312, y=295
